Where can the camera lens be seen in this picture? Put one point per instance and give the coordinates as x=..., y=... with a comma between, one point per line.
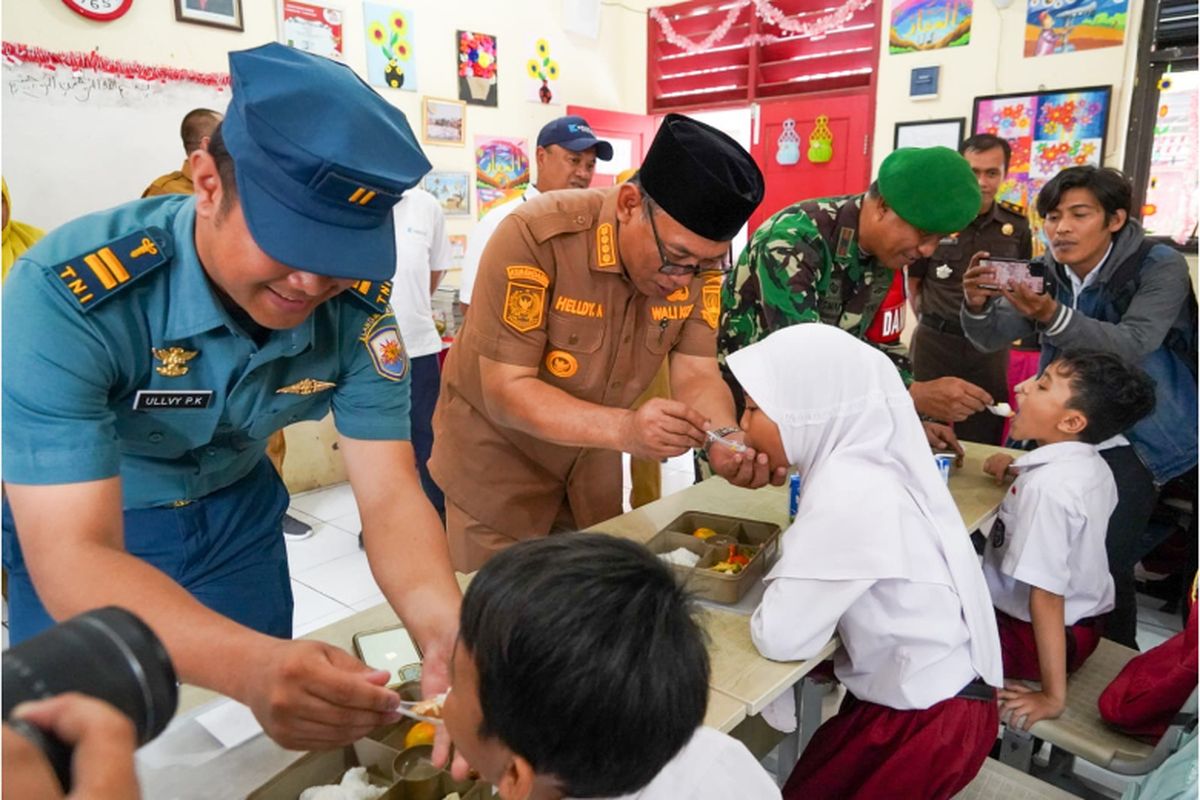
x=107, y=653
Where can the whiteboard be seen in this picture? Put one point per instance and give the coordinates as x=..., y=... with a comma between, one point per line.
x=74, y=144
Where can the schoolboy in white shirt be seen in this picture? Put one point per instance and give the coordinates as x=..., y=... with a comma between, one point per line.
x=1045, y=562
x=580, y=671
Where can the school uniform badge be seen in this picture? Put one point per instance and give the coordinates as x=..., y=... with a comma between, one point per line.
x=525, y=298
x=382, y=339
x=997, y=536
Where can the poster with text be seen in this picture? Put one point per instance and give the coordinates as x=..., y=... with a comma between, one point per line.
x=312, y=27
x=1048, y=131
x=541, y=72
x=390, y=39
x=501, y=170
x=1067, y=26
x=478, y=68
x=929, y=25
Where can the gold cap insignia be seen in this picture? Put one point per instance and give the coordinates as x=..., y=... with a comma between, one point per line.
x=306, y=386
x=1006, y=229
x=174, y=360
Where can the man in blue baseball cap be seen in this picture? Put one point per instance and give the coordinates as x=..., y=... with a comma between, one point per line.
x=566, y=155
x=151, y=349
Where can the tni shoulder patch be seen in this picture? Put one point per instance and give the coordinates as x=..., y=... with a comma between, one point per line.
x=98, y=274
x=375, y=295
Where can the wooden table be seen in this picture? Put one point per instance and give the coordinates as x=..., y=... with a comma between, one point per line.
x=737, y=669
x=976, y=493
x=742, y=681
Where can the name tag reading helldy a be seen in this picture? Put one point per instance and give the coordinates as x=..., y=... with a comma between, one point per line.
x=169, y=399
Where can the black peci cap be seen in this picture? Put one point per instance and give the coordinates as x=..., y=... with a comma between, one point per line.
x=701, y=177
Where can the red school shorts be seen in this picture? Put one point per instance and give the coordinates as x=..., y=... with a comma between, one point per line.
x=1019, y=650
x=871, y=751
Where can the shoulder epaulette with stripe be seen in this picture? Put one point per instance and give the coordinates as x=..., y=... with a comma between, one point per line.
x=1012, y=208
x=375, y=295
x=97, y=274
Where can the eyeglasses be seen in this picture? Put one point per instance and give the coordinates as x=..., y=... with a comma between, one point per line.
x=723, y=264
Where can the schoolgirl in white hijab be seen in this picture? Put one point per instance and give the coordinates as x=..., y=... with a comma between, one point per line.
x=879, y=554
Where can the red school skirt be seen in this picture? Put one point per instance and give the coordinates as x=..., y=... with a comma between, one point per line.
x=872, y=751
x=1019, y=649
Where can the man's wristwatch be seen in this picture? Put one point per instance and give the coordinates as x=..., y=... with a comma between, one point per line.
x=720, y=433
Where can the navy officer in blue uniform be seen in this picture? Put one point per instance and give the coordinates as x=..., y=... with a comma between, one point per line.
x=151, y=349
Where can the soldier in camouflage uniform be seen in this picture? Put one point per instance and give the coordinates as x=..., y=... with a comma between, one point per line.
x=839, y=261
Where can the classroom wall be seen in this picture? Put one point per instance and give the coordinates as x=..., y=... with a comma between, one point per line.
x=994, y=63
x=72, y=152
x=65, y=157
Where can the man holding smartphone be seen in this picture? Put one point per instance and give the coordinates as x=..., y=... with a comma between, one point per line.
x=839, y=261
x=1111, y=289
x=939, y=348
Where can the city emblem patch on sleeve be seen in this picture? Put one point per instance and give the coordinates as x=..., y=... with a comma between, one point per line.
x=525, y=298
x=710, y=294
x=382, y=339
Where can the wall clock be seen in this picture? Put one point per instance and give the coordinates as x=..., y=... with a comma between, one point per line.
x=99, y=10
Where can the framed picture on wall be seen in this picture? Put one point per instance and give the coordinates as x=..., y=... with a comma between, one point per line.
x=452, y=190
x=217, y=13
x=1047, y=131
x=443, y=121
x=930, y=133
x=314, y=26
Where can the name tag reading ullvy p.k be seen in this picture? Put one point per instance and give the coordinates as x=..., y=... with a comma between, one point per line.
x=171, y=399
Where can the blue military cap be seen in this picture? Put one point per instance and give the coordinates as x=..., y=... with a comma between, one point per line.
x=320, y=160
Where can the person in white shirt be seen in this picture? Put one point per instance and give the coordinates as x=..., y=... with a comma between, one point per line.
x=422, y=258
x=581, y=671
x=566, y=155
x=878, y=554
x=1045, y=561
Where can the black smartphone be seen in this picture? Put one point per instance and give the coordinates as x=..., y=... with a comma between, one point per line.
x=1012, y=271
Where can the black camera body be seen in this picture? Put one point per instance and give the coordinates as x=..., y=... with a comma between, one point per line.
x=107, y=653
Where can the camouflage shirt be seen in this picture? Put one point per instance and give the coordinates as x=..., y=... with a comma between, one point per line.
x=804, y=265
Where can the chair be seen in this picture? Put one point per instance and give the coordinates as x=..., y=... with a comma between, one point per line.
x=1081, y=732
x=997, y=781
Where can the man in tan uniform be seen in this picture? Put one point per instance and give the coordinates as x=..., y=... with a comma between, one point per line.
x=198, y=124
x=581, y=295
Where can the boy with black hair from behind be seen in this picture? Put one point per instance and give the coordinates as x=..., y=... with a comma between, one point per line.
x=1045, y=561
x=580, y=671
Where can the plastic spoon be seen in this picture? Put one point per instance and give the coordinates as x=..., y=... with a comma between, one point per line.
x=1001, y=410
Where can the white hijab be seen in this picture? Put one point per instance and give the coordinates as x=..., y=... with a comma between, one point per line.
x=849, y=426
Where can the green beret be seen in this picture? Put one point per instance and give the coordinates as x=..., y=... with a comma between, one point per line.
x=931, y=188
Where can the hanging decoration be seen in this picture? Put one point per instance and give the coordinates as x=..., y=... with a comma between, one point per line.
x=787, y=150
x=816, y=29
x=820, y=142
x=131, y=72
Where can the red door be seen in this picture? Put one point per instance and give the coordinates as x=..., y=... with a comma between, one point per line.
x=847, y=172
x=630, y=135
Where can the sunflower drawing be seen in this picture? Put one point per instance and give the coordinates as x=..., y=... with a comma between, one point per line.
x=543, y=68
x=393, y=43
